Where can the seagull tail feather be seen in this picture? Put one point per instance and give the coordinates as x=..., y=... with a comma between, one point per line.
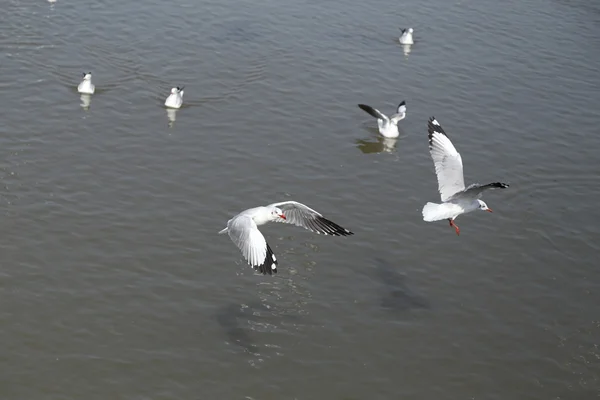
x=436, y=212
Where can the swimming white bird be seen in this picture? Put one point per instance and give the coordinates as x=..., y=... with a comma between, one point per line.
x=407, y=36
x=456, y=199
x=388, y=127
x=175, y=99
x=86, y=86
x=243, y=230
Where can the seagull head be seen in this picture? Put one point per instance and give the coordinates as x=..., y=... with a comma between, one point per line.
x=276, y=214
x=483, y=206
x=174, y=90
x=87, y=76
x=410, y=30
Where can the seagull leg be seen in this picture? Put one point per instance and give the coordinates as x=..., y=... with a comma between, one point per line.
x=452, y=224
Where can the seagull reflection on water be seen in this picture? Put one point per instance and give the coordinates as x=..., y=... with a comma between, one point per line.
x=86, y=100
x=171, y=115
x=379, y=144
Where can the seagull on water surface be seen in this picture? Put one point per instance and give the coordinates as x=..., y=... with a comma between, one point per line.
x=456, y=199
x=407, y=36
x=175, y=99
x=243, y=230
x=86, y=86
x=388, y=127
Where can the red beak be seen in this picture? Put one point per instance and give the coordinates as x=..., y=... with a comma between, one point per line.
x=282, y=216
x=489, y=210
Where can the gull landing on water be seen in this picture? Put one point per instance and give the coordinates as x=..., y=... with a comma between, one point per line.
x=243, y=230
x=388, y=127
x=175, y=99
x=456, y=199
x=407, y=36
x=86, y=86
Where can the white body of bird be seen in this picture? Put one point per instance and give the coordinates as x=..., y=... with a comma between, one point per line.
x=456, y=199
x=243, y=230
x=388, y=126
x=175, y=99
x=86, y=86
x=407, y=36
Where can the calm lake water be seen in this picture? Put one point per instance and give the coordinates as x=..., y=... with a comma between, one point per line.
x=115, y=285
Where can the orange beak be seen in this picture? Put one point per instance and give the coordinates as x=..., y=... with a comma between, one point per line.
x=489, y=210
x=282, y=216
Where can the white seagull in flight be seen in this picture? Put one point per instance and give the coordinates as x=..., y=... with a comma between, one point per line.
x=388, y=127
x=456, y=199
x=243, y=230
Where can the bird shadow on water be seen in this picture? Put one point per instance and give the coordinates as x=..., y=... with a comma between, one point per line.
x=229, y=317
x=243, y=323
x=398, y=296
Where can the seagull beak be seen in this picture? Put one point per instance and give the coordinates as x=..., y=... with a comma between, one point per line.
x=489, y=210
x=282, y=216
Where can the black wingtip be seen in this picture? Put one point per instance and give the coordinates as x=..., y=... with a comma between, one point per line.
x=500, y=185
x=269, y=266
x=369, y=110
x=433, y=126
x=327, y=227
x=402, y=104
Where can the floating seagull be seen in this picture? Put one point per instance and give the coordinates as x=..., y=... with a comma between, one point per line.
x=456, y=199
x=243, y=230
x=175, y=99
x=86, y=86
x=406, y=37
x=388, y=127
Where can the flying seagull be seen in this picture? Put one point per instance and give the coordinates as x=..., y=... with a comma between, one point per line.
x=243, y=230
x=456, y=199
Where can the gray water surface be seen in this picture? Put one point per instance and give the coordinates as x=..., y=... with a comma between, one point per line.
x=115, y=285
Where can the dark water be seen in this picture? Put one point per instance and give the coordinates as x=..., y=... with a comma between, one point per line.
x=114, y=283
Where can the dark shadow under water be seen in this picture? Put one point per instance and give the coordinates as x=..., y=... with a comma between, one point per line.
x=398, y=295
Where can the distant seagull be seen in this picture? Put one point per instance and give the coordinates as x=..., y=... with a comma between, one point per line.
x=243, y=230
x=388, y=127
x=175, y=99
x=86, y=86
x=406, y=37
x=51, y=1
x=456, y=199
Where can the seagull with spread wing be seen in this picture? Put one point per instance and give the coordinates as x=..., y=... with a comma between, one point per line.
x=456, y=199
x=243, y=230
x=388, y=127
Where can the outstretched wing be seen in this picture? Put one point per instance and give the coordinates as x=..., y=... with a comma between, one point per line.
x=475, y=190
x=304, y=216
x=400, y=112
x=373, y=112
x=447, y=161
x=246, y=236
